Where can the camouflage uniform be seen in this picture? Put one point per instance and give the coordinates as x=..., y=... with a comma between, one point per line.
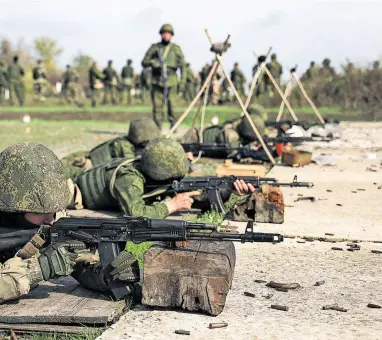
x=238, y=80
x=121, y=183
x=70, y=77
x=127, y=76
x=39, y=78
x=110, y=80
x=174, y=59
x=276, y=71
x=16, y=83
x=33, y=181
x=3, y=81
x=95, y=76
x=140, y=132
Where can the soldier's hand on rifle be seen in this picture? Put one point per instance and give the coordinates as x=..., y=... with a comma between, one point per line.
x=242, y=188
x=181, y=201
x=59, y=259
x=125, y=267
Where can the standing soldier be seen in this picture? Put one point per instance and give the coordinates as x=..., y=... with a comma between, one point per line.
x=110, y=81
x=276, y=71
x=3, y=80
x=238, y=80
x=168, y=56
x=16, y=83
x=311, y=72
x=95, y=77
x=127, y=76
x=39, y=78
x=69, y=86
x=190, y=84
x=327, y=71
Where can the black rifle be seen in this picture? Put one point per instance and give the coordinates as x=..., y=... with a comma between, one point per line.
x=109, y=236
x=306, y=125
x=290, y=139
x=214, y=185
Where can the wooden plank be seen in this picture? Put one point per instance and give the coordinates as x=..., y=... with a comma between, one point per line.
x=196, y=278
x=33, y=328
x=61, y=301
x=228, y=169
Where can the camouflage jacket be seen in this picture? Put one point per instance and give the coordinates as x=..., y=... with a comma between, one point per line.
x=109, y=74
x=15, y=73
x=94, y=75
x=275, y=69
x=127, y=72
x=174, y=61
x=237, y=77
x=69, y=76
x=129, y=188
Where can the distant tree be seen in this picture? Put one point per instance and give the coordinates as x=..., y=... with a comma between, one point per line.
x=48, y=51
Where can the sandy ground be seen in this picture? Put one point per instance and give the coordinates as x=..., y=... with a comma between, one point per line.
x=352, y=279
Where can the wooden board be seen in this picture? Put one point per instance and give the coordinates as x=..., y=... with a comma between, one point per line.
x=40, y=328
x=229, y=168
x=63, y=301
x=196, y=278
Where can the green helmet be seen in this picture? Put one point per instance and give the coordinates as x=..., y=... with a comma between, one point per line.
x=257, y=109
x=163, y=159
x=142, y=130
x=32, y=180
x=245, y=129
x=166, y=28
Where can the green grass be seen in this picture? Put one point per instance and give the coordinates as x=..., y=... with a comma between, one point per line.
x=80, y=135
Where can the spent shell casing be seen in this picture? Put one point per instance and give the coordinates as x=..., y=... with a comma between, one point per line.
x=249, y=294
x=218, y=325
x=376, y=251
x=334, y=307
x=337, y=248
x=329, y=234
x=281, y=289
x=260, y=281
x=372, y=305
x=279, y=307
x=182, y=332
x=319, y=283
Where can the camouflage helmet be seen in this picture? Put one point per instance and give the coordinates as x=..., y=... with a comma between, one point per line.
x=32, y=180
x=245, y=129
x=257, y=109
x=166, y=28
x=142, y=130
x=163, y=159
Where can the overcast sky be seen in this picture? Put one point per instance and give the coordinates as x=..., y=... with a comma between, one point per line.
x=298, y=31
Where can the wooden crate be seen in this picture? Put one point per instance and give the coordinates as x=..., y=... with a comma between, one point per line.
x=230, y=168
x=296, y=157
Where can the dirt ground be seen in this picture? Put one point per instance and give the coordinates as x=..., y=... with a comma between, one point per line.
x=347, y=205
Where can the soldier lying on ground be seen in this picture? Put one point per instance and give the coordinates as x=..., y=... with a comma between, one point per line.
x=141, y=131
x=34, y=189
x=121, y=184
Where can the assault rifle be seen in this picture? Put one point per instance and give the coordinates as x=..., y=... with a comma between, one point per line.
x=214, y=185
x=306, y=125
x=109, y=236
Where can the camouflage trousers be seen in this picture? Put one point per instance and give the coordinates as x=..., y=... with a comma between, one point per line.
x=110, y=93
x=19, y=90
x=190, y=91
x=158, y=102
